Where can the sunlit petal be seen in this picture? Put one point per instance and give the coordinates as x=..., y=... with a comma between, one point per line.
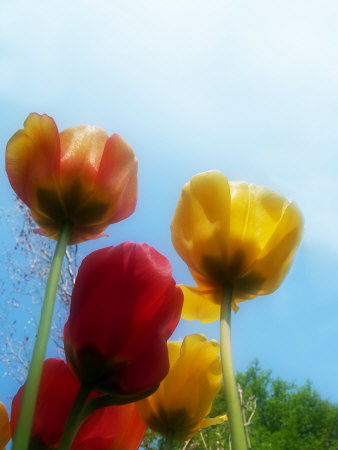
x=185, y=396
x=80, y=175
x=232, y=233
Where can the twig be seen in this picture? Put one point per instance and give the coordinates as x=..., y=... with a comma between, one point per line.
x=205, y=445
x=186, y=444
x=240, y=391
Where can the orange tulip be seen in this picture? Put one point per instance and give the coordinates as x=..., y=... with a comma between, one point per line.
x=5, y=432
x=80, y=174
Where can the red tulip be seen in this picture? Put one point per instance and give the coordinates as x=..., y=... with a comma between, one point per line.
x=80, y=174
x=125, y=305
x=111, y=428
x=57, y=392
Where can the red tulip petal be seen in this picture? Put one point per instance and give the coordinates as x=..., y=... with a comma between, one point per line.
x=125, y=305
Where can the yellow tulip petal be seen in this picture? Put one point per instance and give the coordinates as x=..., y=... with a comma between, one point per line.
x=185, y=396
x=5, y=432
x=201, y=305
x=207, y=422
x=267, y=273
x=255, y=214
x=239, y=211
x=291, y=221
x=199, y=365
x=174, y=351
x=153, y=411
x=232, y=233
x=201, y=223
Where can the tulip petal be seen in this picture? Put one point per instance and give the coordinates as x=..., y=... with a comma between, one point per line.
x=79, y=175
x=185, y=396
x=33, y=159
x=125, y=305
x=213, y=421
x=255, y=213
x=121, y=184
x=174, y=351
x=5, y=432
x=81, y=152
x=153, y=411
x=57, y=392
x=267, y=272
x=232, y=233
x=198, y=366
x=200, y=226
x=201, y=305
x=111, y=428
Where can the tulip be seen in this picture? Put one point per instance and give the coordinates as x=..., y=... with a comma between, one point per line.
x=80, y=175
x=238, y=241
x=111, y=428
x=232, y=233
x=5, y=433
x=75, y=183
x=57, y=392
x=124, y=307
x=184, y=398
x=114, y=427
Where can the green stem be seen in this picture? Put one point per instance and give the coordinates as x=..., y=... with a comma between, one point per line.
x=75, y=417
x=238, y=439
x=169, y=439
x=25, y=419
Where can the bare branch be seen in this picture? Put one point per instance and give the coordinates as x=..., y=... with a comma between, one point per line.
x=26, y=259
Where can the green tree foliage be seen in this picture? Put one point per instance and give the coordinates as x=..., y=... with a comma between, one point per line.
x=286, y=417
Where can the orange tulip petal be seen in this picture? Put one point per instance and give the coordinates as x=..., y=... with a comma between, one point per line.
x=80, y=175
x=81, y=152
x=33, y=159
x=120, y=184
x=5, y=432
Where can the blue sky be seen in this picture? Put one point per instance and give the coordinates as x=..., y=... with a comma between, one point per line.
x=249, y=88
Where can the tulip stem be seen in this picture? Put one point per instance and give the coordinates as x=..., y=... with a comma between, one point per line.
x=26, y=414
x=238, y=438
x=169, y=439
x=75, y=417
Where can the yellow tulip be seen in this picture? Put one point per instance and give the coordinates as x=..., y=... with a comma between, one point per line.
x=232, y=233
x=5, y=433
x=185, y=396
